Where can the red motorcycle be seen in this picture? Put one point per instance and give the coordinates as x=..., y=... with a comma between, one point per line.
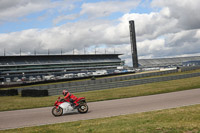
x=62, y=106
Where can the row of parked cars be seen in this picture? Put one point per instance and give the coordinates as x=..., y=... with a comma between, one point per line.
x=65, y=76
x=30, y=78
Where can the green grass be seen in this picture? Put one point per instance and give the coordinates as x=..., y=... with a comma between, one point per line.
x=178, y=120
x=18, y=102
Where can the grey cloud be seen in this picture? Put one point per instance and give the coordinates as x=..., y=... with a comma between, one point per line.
x=159, y=34
x=11, y=10
x=151, y=26
x=181, y=37
x=105, y=8
x=187, y=12
x=100, y=9
x=185, y=42
x=174, y=44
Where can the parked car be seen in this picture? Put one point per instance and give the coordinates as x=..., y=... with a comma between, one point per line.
x=81, y=74
x=15, y=79
x=8, y=80
x=19, y=80
x=31, y=78
x=38, y=78
x=100, y=72
x=69, y=75
x=49, y=77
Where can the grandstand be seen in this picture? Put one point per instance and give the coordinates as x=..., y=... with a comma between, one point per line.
x=170, y=62
x=40, y=65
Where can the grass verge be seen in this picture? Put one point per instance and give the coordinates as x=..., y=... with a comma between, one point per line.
x=18, y=102
x=183, y=119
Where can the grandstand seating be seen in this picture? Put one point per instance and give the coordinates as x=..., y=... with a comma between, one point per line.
x=56, y=64
x=166, y=62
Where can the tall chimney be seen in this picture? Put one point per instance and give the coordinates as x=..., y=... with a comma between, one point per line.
x=133, y=44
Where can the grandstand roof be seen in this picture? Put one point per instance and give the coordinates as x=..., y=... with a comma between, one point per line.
x=159, y=62
x=57, y=59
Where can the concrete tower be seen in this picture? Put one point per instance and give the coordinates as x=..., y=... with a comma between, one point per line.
x=133, y=44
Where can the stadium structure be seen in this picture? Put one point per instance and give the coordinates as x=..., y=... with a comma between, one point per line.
x=41, y=65
x=170, y=62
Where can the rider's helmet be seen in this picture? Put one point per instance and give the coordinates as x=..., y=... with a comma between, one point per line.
x=65, y=92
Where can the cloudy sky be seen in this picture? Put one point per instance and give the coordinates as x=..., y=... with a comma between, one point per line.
x=164, y=28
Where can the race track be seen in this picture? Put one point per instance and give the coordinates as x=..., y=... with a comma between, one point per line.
x=43, y=116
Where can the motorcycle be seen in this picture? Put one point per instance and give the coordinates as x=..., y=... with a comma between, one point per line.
x=61, y=106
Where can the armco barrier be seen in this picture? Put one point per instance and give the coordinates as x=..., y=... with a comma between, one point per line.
x=10, y=92
x=98, y=84
x=34, y=93
x=103, y=81
x=183, y=69
x=110, y=85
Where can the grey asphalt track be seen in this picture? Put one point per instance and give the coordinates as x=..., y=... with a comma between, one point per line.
x=43, y=116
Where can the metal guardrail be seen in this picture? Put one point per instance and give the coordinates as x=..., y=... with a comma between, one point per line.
x=183, y=69
x=109, y=85
x=97, y=81
x=113, y=82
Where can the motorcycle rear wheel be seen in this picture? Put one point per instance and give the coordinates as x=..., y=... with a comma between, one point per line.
x=83, y=108
x=57, y=112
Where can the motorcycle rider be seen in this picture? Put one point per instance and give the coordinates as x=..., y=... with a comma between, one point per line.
x=69, y=97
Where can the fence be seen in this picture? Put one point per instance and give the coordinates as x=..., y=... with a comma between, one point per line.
x=108, y=83
x=97, y=81
x=183, y=69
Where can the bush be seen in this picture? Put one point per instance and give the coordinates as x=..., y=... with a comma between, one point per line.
x=34, y=93
x=10, y=92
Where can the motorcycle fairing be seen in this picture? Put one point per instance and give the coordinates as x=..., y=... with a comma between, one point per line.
x=81, y=98
x=66, y=106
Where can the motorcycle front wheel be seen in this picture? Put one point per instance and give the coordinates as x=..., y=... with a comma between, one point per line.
x=57, y=112
x=83, y=108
